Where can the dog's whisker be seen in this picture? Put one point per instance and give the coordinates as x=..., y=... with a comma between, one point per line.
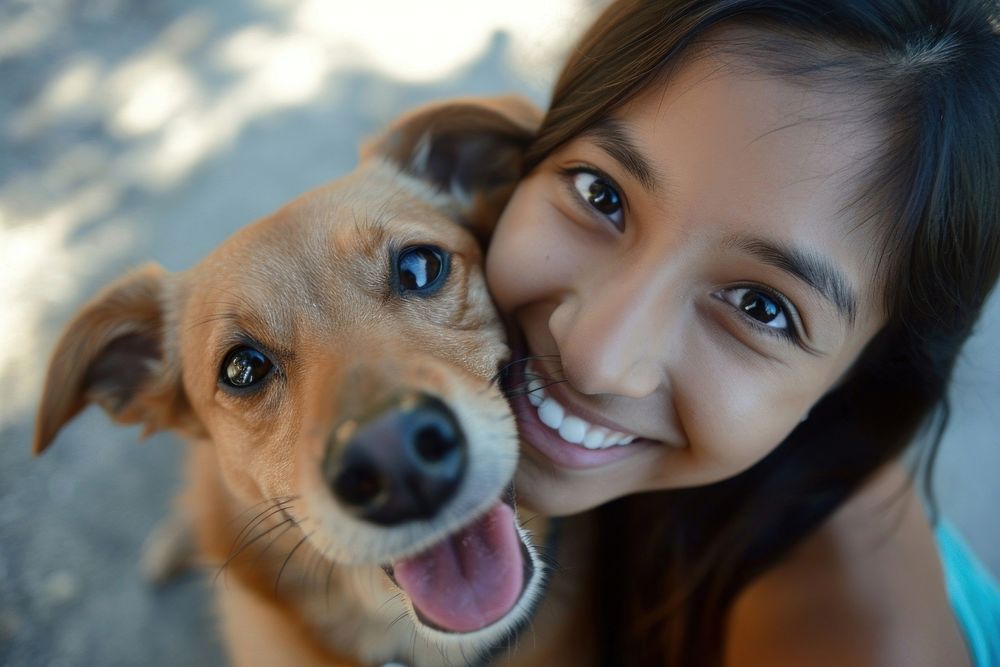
x=329, y=580
x=465, y=657
x=449, y=661
x=543, y=378
x=281, y=570
x=524, y=390
x=396, y=620
x=242, y=543
x=520, y=360
x=246, y=546
x=318, y=577
x=550, y=561
x=392, y=598
x=529, y=378
x=532, y=635
x=288, y=525
x=233, y=556
x=284, y=510
x=256, y=521
x=270, y=502
x=313, y=561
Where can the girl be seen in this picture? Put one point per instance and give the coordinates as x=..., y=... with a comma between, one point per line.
x=751, y=239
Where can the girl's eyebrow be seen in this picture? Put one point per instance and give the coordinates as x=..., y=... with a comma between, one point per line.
x=610, y=135
x=811, y=268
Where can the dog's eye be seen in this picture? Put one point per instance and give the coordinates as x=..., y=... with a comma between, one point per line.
x=244, y=366
x=421, y=268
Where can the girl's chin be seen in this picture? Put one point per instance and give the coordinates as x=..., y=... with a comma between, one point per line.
x=538, y=490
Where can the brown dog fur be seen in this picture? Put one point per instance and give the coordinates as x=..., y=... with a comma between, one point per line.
x=300, y=583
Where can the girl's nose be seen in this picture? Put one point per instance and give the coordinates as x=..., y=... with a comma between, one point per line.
x=612, y=339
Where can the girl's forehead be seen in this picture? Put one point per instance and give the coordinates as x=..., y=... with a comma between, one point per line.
x=760, y=115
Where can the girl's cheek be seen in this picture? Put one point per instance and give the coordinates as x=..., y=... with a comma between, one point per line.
x=510, y=256
x=529, y=253
x=732, y=416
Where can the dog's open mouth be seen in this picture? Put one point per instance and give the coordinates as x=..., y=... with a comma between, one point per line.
x=472, y=578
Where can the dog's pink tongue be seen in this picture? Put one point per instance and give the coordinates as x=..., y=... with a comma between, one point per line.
x=469, y=580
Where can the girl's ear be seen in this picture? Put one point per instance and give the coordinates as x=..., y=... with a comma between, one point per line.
x=112, y=354
x=470, y=149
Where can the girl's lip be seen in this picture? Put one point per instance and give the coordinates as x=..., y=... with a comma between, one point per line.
x=547, y=442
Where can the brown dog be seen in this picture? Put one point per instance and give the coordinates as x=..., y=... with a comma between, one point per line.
x=332, y=366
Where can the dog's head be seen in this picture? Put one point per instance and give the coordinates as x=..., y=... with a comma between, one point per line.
x=341, y=353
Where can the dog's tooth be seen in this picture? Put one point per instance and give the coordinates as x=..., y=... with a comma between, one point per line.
x=595, y=437
x=573, y=429
x=535, y=393
x=551, y=413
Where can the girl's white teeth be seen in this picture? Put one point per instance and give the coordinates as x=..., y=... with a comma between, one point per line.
x=572, y=429
x=551, y=413
x=595, y=437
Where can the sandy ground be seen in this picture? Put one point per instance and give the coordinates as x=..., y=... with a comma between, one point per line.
x=152, y=130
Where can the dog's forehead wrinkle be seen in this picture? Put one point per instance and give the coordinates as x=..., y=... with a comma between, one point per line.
x=384, y=185
x=251, y=306
x=358, y=235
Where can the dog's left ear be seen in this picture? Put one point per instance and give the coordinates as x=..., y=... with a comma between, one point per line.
x=470, y=149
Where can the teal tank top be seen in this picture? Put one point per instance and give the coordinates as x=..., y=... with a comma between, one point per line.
x=974, y=596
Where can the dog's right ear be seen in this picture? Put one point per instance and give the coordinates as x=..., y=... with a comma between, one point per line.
x=111, y=354
x=470, y=149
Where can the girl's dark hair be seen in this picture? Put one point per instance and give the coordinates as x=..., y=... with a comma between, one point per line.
x=929, y=73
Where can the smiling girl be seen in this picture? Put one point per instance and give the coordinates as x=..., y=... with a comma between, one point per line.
x=751, y=239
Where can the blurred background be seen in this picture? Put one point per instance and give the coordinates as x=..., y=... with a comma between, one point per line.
x=138, y=130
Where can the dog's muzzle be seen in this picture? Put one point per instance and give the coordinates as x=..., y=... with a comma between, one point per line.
x=402, y=465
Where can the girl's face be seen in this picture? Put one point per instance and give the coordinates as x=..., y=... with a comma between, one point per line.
x=692, y=268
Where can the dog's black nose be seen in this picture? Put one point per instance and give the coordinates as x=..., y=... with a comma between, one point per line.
x=403, y=463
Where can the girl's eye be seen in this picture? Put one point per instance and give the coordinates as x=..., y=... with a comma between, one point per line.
x=600, y=194
x=421, y=269
x=758, y=305
x=244, y=366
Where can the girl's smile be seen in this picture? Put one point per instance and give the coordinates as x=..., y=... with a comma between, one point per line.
x=690, y=276
x=572, y=436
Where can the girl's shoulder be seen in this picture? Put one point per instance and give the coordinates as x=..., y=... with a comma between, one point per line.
x=865, y=589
